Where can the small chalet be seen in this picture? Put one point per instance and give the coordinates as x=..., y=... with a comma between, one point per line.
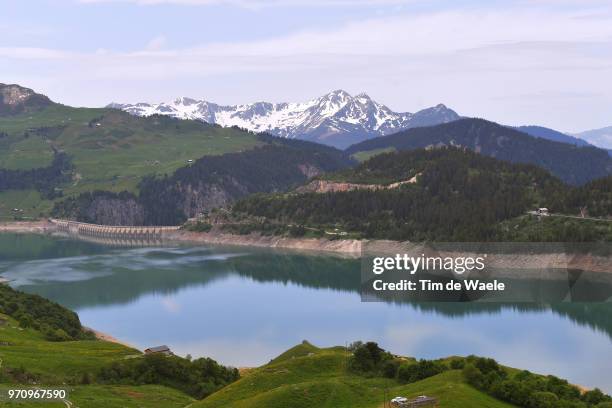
x=159, y=350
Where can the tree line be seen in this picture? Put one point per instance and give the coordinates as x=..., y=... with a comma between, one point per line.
x=46, y=180
x=529, y=390
x=55, y=322
x=520, y=388
x=198, y=378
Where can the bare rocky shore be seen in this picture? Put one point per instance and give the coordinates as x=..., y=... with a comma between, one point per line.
x=27, y=227
x=343, y=246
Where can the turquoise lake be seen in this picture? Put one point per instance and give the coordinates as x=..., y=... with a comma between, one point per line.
x=244, y=306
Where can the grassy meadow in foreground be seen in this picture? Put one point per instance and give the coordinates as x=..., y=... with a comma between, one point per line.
x=304, y=376
x=307, y=376
x=57, y=362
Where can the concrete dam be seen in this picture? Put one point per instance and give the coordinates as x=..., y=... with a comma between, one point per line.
x=114, y=235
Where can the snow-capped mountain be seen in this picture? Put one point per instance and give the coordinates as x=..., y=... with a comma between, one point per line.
x=337, y=119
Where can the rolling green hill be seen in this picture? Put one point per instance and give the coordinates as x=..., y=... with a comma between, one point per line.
x=110, y=147
x=110, y=150
x=306, y=376
x=43, y=345
x=27, y=357
x=29, y=360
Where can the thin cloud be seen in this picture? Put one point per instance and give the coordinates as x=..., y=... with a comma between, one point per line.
x=258, y=4
x=419, y=36
x=32, y=53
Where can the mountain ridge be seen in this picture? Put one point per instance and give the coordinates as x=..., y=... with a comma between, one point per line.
x=337, y=118
x=601, y=137
x=573, y=164
x=552, y=134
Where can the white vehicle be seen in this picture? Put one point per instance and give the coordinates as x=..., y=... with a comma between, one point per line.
x=399, y=400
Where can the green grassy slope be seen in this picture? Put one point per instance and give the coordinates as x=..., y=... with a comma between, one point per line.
x=28, y=348
x=362, y=156
x=116, y=396
x=30, y=201
x=124, y=148
x=307, y=376
x=110, y=149
x=303, y=377
x=57, y=362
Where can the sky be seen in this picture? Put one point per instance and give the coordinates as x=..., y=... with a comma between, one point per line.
x=517, y=62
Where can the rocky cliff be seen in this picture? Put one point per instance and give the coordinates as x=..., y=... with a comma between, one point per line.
x=326, y=186
x=101, y=207
x=15, y=99
x=115, y=211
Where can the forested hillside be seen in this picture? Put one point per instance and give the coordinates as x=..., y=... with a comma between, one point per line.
x=458, y=195
x=210, y=182
x=55, y=322
x=594, y=198
x=43, y=179
x=551, y=134
x=570, y=163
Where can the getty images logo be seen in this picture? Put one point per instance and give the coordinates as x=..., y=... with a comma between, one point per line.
x=412, y=264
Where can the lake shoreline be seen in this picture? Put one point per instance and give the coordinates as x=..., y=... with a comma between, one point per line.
x=341, y=246
x=353, y=248
x=107, y=337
